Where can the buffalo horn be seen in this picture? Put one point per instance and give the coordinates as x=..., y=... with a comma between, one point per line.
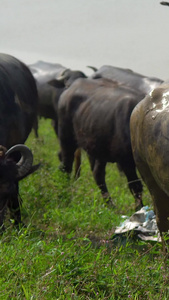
x=26, y=160
x=61, y=77
x=93, y=68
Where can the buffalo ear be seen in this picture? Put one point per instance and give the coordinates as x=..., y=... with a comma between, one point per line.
x=56, y=83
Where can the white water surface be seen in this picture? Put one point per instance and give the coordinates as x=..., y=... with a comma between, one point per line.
x=124, y=33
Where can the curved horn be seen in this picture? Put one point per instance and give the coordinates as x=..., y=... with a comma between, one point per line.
x=26, y=160
x=93, y=68
x=61, y=77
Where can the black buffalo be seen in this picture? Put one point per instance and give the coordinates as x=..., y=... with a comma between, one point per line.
x=18, y=113
x=59, y=85
x=94, y=115
x=18, y=101
x=44, y=72
x=141, y=83
x=52, y=80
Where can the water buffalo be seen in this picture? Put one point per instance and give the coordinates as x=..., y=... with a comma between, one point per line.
x=11, y=172
x=59, y=85
x=52, y=80
x=150, y=143
x=43, y=72
x=18, y=103
x=94, y=115
x=141, y=83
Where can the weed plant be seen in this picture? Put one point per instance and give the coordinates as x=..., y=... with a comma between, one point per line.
x=66, y=250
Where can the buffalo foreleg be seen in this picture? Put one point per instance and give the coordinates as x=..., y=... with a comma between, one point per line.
x=77, y=160
x=2, y=217
x=67, y=157
x=14, y=207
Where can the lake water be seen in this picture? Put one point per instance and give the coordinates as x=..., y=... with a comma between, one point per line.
x=124, y=33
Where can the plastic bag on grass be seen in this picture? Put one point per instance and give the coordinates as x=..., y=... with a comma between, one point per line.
x=141, y=224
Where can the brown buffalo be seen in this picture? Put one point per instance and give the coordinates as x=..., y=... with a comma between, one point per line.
x=150, y=143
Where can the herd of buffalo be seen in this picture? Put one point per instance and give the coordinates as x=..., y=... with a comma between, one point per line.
x=115, y=115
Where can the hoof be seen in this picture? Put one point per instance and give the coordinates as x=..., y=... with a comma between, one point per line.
x=138, y=206
x=110, y=203
x=61, y=168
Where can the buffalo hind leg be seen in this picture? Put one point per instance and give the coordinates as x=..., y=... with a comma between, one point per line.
x=160, y=203
x=98, y=168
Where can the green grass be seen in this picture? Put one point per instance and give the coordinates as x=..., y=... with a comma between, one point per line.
x=67, y=251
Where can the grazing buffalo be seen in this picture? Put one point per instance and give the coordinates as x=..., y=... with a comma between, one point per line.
x=94, y=115
x=18, y=113
x=11, y=172
x=44, y=72
x=141, y=83
x=59, y=85
x=52, y=80
x=150, y=143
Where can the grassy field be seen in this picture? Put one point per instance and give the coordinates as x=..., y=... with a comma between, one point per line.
x=66, y=250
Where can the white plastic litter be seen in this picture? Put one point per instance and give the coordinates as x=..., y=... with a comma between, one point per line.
x=143, y=223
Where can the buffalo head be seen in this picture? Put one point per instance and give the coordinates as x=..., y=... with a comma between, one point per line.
x=12, y=170
x=67, y=77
